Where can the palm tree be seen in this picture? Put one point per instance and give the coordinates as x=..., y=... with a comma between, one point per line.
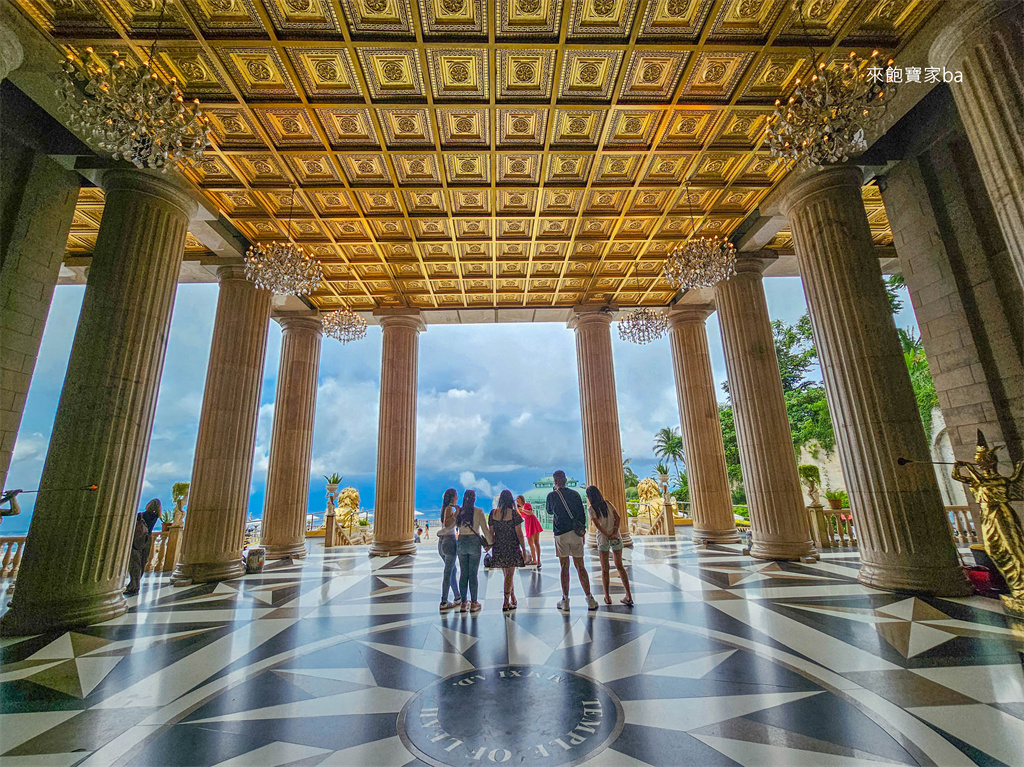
x=630, y=476
x=668, y=444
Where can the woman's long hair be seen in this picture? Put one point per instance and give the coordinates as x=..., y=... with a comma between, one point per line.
x=449, y=497
x=597, y=501
x=506, y=501
x=465, y=516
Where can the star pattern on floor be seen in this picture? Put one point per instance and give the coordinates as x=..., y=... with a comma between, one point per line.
x=724, y=660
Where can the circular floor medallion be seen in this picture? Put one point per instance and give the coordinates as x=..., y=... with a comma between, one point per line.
x=537, y=715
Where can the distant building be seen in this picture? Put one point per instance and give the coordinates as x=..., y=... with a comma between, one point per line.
x=538, y=497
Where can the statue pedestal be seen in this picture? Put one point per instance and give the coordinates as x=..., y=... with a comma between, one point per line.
x=330, y=529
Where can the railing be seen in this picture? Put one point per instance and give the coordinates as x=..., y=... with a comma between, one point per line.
x=961, y=524
x=12, y=547
x=832, y=528
x=163, y=550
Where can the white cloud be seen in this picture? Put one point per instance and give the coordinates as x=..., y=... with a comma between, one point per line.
x=484, y=489
x=30, y=447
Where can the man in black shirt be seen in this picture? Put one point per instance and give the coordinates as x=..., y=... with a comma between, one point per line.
x=569, y=526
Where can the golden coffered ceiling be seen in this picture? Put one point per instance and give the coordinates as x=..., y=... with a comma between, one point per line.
x=463, y=153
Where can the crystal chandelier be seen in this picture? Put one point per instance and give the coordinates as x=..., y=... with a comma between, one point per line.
x=344, y=325
x=129, y=112
x=825, y=120
x=700, y=262
x=642, y=325
x=283, y=267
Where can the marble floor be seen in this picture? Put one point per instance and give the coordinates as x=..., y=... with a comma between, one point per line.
x=343, y=660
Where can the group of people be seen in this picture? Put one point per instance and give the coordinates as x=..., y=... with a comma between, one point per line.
x=465, y=533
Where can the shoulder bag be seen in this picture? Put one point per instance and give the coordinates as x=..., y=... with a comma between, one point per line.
x=579, y=529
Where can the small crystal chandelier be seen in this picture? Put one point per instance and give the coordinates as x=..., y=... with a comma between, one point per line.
x=825, y=121
x=700, y=262
x=344, y=325
x=129, y=112
x=642, y=325
x=283, y=268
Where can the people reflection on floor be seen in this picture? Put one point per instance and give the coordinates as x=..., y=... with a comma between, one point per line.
x=606, y=518
x=447, y=549
x=509, y=548
x=141, y=536
x=474, y=534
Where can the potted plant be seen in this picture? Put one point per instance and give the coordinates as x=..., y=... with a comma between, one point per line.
x=179, y=494
x=333, y=481
x=662, y=471
x=835, y=499
x=810, y=476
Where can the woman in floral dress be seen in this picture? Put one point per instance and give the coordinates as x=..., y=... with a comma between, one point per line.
x=509, y=544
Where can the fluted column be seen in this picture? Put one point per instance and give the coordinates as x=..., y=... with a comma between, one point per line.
x=76, y=555
x=599, y=409
x=985, y=42
x=902, y=531
x=283, y=532
x=395, y=503
x=701, y=429
x=778, y=517
x=222, y=467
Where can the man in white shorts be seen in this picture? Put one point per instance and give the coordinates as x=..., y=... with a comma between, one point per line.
x=569, y=526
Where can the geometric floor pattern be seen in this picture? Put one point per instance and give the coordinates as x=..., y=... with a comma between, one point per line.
x=344, y=660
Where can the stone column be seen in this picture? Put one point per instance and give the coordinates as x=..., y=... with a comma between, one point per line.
x=41, y=199
x=291, y=442
x=778, y=516
x=222, y=468
x=599, y=409
x=984, y=42
x=76, y=556
x=395, y=504
x=701, y=429
x=902, y=530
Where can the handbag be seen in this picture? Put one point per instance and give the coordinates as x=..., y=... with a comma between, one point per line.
x=580, y=530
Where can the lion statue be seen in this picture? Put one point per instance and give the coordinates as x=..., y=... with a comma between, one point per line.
x=348, y=508
x=651, y=503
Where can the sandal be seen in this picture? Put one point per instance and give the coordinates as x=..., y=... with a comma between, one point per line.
x=607, y=599
x=475, y=607
x=627, y=601
x=512, y=600
x=508, y=604
x=464, y=607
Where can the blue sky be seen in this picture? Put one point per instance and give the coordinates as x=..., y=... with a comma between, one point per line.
x=498, y=404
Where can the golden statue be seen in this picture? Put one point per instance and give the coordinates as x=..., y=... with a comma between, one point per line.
x=1001, y=532
x=348, y=508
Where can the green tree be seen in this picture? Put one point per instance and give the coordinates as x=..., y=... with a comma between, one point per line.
x=668, y=444
x=794, y=348
x=920, y=376
x=732, y=453
x=893, y=283
x=630, y=476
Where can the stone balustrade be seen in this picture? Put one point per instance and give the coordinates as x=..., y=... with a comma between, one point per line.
x=961, y=524
x=12, y=547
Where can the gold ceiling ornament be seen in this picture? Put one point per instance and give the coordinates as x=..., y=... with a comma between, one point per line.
x=130, y=112
x=825, y=120
x=642, y=325
x=700, y=262
x=283, y=268
x=344, y=325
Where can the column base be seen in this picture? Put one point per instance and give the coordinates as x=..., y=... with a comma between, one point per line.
x=701, y=535
x=285, y=550
x=392, y=548
x=787, y=552
x=946, y=581
x=39, y=618
x=206, y=572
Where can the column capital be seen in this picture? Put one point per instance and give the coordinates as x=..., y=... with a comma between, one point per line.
x=299, y=321
x=137, y=182
x=834, y=178
x=11, y=52
x=400, y=318
x=683, y=313
x=754, y=263
x=591, y=315
x=972, y=19
x=231, y=272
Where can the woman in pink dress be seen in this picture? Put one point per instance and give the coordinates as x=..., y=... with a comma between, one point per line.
x=531, y=528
